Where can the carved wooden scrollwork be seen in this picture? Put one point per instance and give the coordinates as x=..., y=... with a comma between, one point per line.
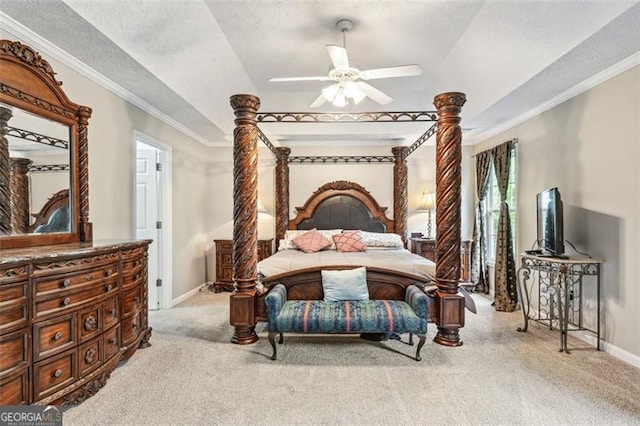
x=90, y=323
x=19, y=197
x=448, y=181
x=5, y=174
x=245, y=217
x=88, y=390
x=282, y=192
x=90, y=356
x=29, y=56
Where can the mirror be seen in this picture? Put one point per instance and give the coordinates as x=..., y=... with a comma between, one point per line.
x=44, y=162
x=39, y=180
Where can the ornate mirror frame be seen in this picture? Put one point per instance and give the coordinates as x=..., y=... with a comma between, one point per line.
x=28, y=82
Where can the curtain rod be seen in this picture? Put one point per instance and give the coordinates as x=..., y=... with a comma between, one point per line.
x=514, y=140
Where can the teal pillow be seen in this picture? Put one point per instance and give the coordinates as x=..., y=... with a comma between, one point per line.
x=349, y=284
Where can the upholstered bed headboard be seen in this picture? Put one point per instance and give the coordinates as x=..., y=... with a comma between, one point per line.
x=343, y=205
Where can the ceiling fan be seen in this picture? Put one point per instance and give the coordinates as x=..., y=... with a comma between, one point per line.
x=349, y=85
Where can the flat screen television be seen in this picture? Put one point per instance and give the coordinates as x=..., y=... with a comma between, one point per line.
x=550, y=226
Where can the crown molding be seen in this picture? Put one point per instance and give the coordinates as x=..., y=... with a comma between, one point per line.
x=590, y=83
x=44, y=46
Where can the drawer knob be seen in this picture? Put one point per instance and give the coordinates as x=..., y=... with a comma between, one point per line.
x=66, y=283
x=66, y=301
x=109, y=272
x=113, y=341
x=137, y=300
x=90, y=323
x=58, y=373
x=90, y=356
x=109, y=287
x=88, y=277
x=136, y=277
x=113, y=312
x=134, y=325
x=57, y=336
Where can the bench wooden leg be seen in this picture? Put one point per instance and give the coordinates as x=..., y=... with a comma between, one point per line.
x=281, y=338
x=423, y=338
x=272, y=340
x=411, y=339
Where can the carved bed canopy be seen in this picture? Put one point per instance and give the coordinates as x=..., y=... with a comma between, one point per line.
x=446, y=127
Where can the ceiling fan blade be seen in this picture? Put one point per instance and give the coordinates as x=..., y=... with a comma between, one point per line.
x=401, y=71
x=317, y=78
x=319, y=101
x=374, y=93
x=338, y=56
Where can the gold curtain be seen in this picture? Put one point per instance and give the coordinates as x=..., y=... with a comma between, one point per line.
x=506, y=297
x=479, y=248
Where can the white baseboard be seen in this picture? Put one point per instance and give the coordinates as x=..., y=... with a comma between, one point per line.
x=185, y=296
x=607, y=347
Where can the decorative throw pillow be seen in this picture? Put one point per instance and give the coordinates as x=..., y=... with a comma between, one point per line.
x=349, y=284
x=328, y=234
x=311, y=241
x=349, y=241
x=380, y=239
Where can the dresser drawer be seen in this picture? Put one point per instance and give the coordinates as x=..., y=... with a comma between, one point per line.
x=14, y=352
x=54, y=373
x=110, y=313
x=90, y=322
x=70, y=300
x=137, y=278
x=15, y=389
x=132, y=264
x=76, y=265
x=131, y=328
x=13, y=306
x=111, y=342
x=90, y=356
x=49, y=286
x=131, y=301
x=53, y=336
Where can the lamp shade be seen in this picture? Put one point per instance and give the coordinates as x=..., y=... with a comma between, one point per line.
x=428, y=202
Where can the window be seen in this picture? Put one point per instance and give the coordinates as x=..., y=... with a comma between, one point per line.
x=491, y=208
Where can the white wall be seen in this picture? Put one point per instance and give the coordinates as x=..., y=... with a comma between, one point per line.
x=589, y=148
x=111, y=174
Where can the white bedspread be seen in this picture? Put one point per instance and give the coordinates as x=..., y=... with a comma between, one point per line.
x=395, y=259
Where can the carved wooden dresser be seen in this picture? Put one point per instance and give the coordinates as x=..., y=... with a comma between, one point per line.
x=68, y=314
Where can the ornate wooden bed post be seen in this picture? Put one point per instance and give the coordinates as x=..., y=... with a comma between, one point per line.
x=245, y=218
x=450, y=304
x=86, y=227
x=282, y=192
x=19, y=198
x=5, y=176
x=400, y=191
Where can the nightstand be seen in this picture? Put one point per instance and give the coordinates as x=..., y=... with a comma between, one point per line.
x=427, y=248
x=224, y=262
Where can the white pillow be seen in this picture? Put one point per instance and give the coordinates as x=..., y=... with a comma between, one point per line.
x=380, y=239
x=348, y=284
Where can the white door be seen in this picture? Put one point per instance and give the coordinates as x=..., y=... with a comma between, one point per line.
x=148, y=213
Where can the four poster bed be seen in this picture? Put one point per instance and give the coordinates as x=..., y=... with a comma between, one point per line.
x=347, y=206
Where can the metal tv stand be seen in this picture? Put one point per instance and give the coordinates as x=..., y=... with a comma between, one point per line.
x=555, y=293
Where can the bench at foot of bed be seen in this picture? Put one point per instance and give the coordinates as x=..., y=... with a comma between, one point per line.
x=347, y=317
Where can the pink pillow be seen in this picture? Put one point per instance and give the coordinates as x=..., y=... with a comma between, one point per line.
x=311, y=242
x=349, y=241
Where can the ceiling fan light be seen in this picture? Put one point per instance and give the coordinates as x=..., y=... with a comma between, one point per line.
x=340, y=100
x=358, y=96
x=330, y=92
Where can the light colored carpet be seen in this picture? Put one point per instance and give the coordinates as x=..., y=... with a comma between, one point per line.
x=192, y=375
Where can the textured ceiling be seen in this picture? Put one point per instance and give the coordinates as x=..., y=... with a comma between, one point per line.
x=185, y=58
